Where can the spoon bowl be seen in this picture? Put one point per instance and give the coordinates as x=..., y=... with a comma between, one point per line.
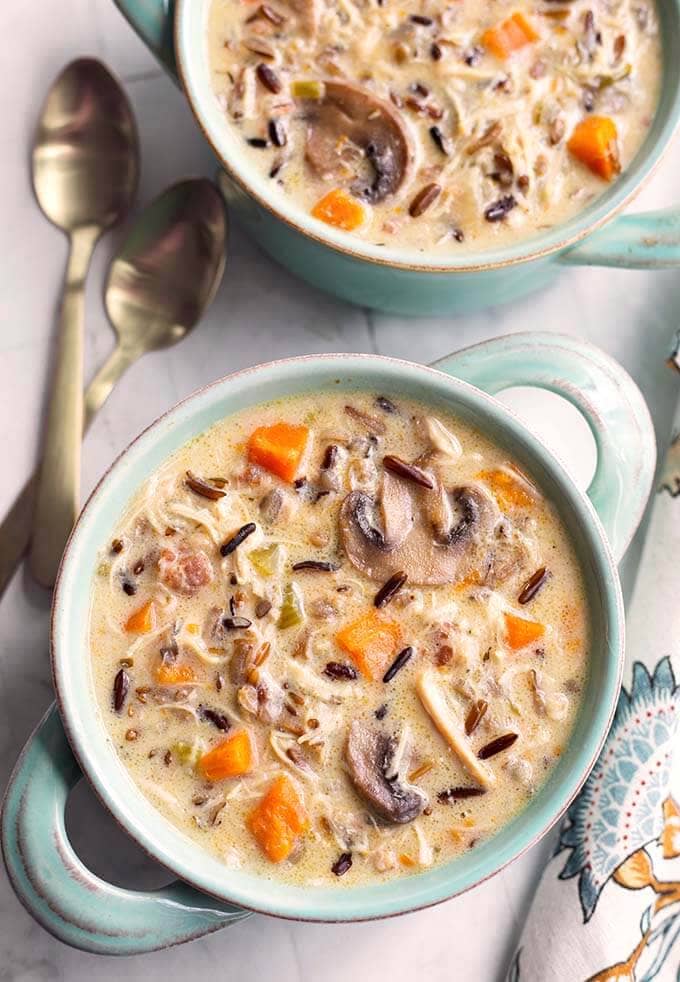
x=85, y=156
x=168, y=268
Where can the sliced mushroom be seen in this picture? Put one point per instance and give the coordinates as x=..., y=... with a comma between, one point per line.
x=512, y=555
x=278, y=505
x=369, y=755
x=435, y=543
x=451, y=729
x=350, y=116
x=442, y=441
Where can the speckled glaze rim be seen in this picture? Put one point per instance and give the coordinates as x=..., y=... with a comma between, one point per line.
x=541, y=246
x=351, y=904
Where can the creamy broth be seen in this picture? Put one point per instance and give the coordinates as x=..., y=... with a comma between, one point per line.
x=405, y=721
x=444, y=126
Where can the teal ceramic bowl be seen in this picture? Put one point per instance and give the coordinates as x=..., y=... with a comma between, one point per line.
x=407, y=281
x=83, y=910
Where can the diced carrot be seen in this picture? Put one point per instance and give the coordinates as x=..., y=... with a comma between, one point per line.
x=279, y=448
x=520, y=632
x=339, y=209
x=230, y=758
x=142, y=620
x=279, y=819
x=473, y=578
x=509, y=36
x=174, y=674
x=593, y=142
x=407, y=860
x=510, y=488
x=371, y=642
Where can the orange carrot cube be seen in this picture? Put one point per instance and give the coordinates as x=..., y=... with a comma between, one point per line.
x=232, y=757
x=142, y=620
x=279, y=448
x=279, y=819
x=508, y=36
x=593, y=142
x=339, y=209
x=519, y=632
x=175, y=674
x=371, y=642
x=510, y=487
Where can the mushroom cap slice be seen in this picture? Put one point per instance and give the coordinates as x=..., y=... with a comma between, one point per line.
x=350, y=114
x=435, y=536
x=368, y=754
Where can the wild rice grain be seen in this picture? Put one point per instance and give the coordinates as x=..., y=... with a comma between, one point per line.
x=398, y=664
x=533, y=585
x=497, y=211
x=339, y=671
x=342, y=864
x=314, y=565
x=390, y=589
x=422, y=201
x=277, y=133
x=268, y=78
x=121, y=687
x=262, y=608
x=474, y=716
x=235, y=541
x=408, y=471
x=439, y=140
x=236, y=623
x=458, y=794
x=201, y=487
x=497, y=746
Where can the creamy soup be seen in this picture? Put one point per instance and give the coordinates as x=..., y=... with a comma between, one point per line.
x=432, y=125
x=339, y=638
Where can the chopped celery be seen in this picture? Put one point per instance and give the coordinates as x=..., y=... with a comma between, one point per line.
x=292, y=609
x=307, y=89
x=266, y=560
x=186, y=753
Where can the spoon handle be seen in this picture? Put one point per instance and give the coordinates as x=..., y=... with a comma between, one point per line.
x=56, y=503
x=15, y=530
x=100, y=387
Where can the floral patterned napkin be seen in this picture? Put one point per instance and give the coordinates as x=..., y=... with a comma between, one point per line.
x=608, y=903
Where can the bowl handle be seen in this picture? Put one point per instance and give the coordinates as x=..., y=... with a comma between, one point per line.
x=601, y=390
x=648, y=240
x=49, y=879
x=153, y=20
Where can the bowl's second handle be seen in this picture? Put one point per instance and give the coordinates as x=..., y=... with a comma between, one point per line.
x=645, y=240
x=601, y=390
x=52, y=883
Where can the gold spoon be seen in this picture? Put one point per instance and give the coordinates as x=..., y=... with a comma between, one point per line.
x=85, y=172
x=158, y=288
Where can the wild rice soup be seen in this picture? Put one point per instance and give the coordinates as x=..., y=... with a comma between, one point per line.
x=430, y=124
x=339, y=638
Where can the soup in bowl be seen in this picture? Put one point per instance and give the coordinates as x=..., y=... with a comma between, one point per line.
x=339, y=637
x=336, y=638
x=438, y=127
x=383, y=168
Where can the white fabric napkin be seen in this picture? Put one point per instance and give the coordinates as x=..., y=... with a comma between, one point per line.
x=608, y=902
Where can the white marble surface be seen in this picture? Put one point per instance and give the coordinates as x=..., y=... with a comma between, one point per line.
x=259, y=309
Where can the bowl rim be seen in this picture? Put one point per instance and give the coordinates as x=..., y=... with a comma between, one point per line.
x=535, y=247
x=257, y=899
